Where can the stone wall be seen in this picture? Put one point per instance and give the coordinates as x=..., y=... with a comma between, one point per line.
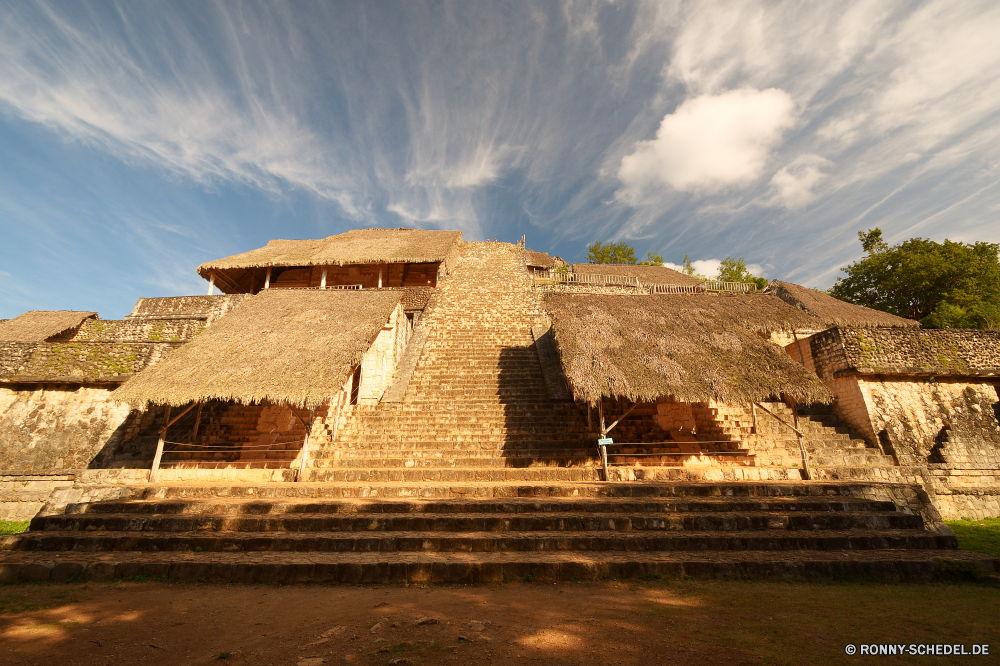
x=896, y=351
x=210, y=307
x=928, y=399
x=381, y=359
x=55, y=427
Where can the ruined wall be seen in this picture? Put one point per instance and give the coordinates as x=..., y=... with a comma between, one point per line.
x=381, y=359
x=57, y=427
x=210, y=307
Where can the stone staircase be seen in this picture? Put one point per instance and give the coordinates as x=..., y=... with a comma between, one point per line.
x=489, y=533
x=476, y=407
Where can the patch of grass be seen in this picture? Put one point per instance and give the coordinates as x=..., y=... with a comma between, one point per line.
x=36, y=599
x=13, y=526
x=225, y=654
x=977, y=536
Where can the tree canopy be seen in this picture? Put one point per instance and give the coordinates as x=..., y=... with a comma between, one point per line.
x=735, y=270
x=943, y=285
x=611, y=253
x=620, y=253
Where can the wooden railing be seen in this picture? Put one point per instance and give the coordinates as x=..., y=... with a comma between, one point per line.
x=602, y=280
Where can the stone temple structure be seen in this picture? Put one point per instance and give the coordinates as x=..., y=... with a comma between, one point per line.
x=403, y=405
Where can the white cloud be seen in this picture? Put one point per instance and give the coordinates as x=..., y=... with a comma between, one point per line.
x=709, y=142
x=792, y=186
x=710, y=268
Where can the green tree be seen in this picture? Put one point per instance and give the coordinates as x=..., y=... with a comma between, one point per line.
x=735, y=270
x=652, y=259
x=943, y=285
x=612, y=253
x=688, y=268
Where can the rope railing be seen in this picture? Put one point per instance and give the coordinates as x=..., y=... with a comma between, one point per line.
x=329, y=286
x=601, y=280
x=607, y=455
x=191, y=447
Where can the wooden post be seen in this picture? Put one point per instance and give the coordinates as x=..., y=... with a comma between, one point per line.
x=590, y=426
x=305, y=448
x=159, y=447
x=600, y=410
x=802, y=447
x=267, y=279
x=211, y=282
x=322, y=280
x=379, y=277
x=197, y=422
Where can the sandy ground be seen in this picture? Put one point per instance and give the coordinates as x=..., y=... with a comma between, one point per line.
x=586, y=623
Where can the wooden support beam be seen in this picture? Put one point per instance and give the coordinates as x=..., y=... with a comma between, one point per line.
x=267, y=279
x=304, y=457
x=159, y=448
x=197, y=422
x=211, y=282
x=627, y=412
x=179, y=416
x=806, y=473
x=322, y=280
x=600, y=411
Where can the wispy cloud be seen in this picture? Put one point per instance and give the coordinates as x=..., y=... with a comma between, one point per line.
x=764, y=127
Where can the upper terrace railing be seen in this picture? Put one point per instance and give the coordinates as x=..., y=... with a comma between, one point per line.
x=329, y=286
x=627, y=281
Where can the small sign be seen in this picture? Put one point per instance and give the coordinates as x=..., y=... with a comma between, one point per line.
x=604, y=442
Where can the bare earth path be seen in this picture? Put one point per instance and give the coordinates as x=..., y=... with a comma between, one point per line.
x=655, y=622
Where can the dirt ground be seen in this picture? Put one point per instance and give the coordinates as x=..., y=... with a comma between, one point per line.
x=652, y=622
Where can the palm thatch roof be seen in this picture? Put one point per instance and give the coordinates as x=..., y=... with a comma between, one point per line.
x=40, y=325
x=833, y=311
x=280, y=346
x=358, y=246
x=694, y=348
x=538, y=259
x=645, y=274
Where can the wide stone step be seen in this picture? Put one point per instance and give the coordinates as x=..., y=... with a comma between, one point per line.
x=495, y=462
x=282, y=506
x=458, y=568
x=479, y=542
x=432, y=474
x=478, y=522
x=691, y=487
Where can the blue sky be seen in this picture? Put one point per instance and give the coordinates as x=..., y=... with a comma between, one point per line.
x=138, y=140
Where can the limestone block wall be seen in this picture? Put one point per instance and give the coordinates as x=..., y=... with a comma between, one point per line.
x=918, y=415
x=382, y=357
x=57, y=427
x=186, y=306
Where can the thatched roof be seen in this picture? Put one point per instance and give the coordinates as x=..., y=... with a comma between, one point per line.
x=40, y=325
x=895, y=351
x=645, y=274
x=281, y=346
x=694, y=348
x=833, y=311
x=538, y=259
x=358, y=246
